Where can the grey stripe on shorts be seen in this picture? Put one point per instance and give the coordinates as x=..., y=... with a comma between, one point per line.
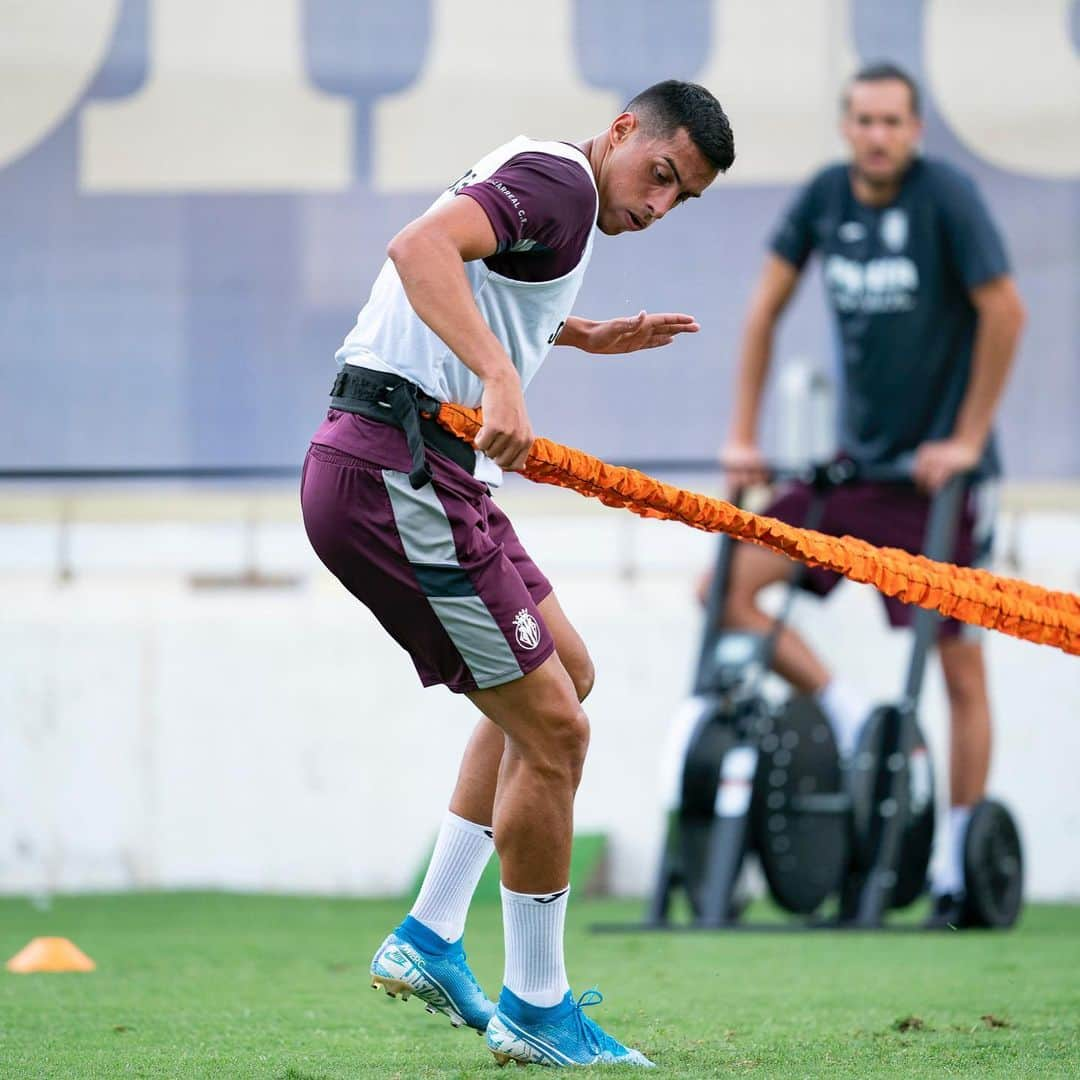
x=428, y=540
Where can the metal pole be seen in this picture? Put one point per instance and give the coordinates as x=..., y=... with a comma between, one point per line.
x=940, y=545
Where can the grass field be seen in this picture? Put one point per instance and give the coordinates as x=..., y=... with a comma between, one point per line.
x=210, y=985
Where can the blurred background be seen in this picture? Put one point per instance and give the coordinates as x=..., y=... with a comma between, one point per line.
x=195, y=197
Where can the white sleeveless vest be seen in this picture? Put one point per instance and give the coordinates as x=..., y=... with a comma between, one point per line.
x=525, y=316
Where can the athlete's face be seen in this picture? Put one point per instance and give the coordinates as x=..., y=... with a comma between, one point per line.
x=644, y=176
x=881, y=129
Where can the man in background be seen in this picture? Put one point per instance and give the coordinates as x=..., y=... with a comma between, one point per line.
x=928, y=319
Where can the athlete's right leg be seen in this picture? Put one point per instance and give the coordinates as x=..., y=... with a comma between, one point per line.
x=464, y=844
x=546, y=736
x=474, y=793
x=546, y=739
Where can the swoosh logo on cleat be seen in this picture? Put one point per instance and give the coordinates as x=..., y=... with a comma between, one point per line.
x=552, y=898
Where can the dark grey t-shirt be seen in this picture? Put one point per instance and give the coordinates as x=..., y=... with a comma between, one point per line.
x=898, y=279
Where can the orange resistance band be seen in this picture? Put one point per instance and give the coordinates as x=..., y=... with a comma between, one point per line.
x=973, y=596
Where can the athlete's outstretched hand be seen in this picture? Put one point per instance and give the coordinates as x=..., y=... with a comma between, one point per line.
x=506, y=435
x=642, y=331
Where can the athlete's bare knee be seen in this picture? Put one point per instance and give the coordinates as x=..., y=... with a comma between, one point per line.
x=582, y=675
x=575, y=658
x=571, y=650
x=554, y=743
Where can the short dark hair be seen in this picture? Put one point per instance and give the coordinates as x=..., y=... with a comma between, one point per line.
x=672, y=104
x=885, y=71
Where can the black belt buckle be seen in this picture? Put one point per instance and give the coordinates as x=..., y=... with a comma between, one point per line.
x=390, y=399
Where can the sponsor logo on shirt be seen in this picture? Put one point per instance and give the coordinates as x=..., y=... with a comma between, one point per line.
x=894, y=229
x=851, y=232
x=880, y=286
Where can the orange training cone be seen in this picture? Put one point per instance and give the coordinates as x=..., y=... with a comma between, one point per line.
x=50, y=954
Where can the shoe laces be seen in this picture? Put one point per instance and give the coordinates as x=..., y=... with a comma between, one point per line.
x=595, y=1037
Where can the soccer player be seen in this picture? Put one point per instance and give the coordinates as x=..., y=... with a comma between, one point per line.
x=474, y=294
x=928, y=319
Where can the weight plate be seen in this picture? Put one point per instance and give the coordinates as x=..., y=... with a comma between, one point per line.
x=918, y=840
x=693, y=823
x=799, y=813
x=712, y=739
x=993, y=867
x=885, y=782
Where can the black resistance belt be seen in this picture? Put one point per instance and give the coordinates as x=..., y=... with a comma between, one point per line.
x=390, y=399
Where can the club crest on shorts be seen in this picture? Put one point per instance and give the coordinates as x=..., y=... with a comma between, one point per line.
x=526, y=629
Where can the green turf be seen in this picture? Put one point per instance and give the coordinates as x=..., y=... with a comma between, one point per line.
x=207, y=985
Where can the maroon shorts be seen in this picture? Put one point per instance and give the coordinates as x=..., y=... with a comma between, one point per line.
x=440, y=567
x=888, y=515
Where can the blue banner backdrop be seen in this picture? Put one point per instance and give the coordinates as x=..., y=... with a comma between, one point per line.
x=177, y=271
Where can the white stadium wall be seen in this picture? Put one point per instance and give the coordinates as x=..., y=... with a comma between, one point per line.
x=160, y=735
x=194, y=200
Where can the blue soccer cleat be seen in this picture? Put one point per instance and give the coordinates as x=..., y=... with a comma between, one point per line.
x=561, y=1035
x=414, y=960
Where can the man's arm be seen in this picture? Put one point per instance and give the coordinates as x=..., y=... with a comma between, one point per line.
x=1000, y=320
x=430, y=255
x=613, y=336
x=774, y=289
x=1000, y=317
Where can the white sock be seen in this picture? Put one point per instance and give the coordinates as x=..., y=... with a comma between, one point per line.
x=460, y=855
x=533, y=928
x=949, y=875
x=846, y=710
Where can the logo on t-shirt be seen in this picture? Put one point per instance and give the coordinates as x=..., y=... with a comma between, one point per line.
x=851, y=232
x=894, y=229
x=464, y=180
x=876, y=287
x=527, y=629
